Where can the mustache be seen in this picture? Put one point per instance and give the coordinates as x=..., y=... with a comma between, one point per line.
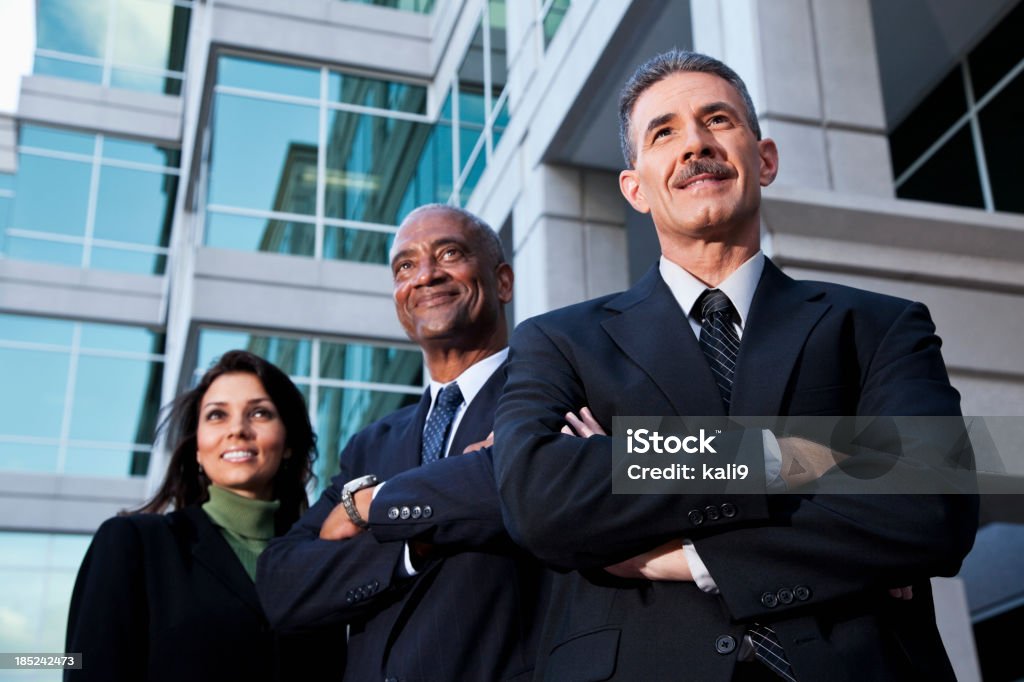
x=702, y=167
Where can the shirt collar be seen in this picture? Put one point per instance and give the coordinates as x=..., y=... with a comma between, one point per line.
x=738, y=286
x=473, y=378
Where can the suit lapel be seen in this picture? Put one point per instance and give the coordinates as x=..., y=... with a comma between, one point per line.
x=403, y=450
x=212, y=551
x=655, y=334
x=782, y=316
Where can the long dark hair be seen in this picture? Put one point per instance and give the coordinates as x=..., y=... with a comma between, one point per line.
x=184, y=485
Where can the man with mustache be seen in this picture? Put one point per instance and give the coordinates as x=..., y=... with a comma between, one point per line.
x=707, y=585
x=420, y=566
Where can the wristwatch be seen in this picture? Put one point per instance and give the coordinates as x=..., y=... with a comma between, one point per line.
x=353, y=486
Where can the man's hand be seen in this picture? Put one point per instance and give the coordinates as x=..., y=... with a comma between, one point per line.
x=667, y=562
x=804, y=461
x=583, y=426
x=480, y=444
x=338, y=526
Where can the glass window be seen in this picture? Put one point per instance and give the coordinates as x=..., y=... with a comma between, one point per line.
x=377, y=364
x=130, y=210
x=136, y=44
x=379, y=94
x=362, y=246
x=928, y=121
x=951, y=175
x=998, y=53
x=553, y=18
x=135, y=206
x=341, y=413
x=1004, y=145
x=35, y=208
x=283, y=79
x=35, y=385
x=226, y=231
x=82, y=387
x=264, y=155
x=291, y=355
x=37, y=576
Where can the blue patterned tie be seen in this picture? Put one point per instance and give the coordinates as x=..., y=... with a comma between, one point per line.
x=439, y=423
x=721, y=346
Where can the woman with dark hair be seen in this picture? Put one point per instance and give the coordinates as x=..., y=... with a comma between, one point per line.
x=171, y=596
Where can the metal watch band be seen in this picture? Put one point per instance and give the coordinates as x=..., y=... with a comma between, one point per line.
x=351, y=487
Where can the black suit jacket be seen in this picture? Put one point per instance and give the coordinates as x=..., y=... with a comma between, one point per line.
x=473, y=614
x=813, y=566
x=163, y=597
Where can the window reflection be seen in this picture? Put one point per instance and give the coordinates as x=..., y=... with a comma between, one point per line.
x=116, y=201
x=94, y=388
x=135, y=44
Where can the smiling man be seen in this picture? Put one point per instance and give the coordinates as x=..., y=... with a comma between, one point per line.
x=707, y=585
x=435, y=590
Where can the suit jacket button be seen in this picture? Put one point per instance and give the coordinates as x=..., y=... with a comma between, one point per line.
x=427, y=511
x=350, y=599
x=802, y=592
x=785, y=596
x=725, y=644
x=769, y=600
x=392, y=513
x=696, y=517
x=375, y=585
x=711, y=512
x=406, y=513
x=417, y=512
x=728, y=510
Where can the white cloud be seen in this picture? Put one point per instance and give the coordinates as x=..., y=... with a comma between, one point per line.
x=17, y=43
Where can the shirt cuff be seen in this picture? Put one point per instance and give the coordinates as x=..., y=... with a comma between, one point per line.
x=407, y=566
x=772, y=462
x=698, y=570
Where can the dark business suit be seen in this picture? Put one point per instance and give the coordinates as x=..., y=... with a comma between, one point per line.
x=470, y=614
x=814, y=567
x=163, y=597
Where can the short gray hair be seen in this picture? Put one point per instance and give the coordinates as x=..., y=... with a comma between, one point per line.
x=488, y=236
x=662, y=66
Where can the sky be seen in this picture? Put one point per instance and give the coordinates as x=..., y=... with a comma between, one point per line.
x=17, y=42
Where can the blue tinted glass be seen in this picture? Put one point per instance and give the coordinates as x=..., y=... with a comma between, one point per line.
x=479, y=165
x=126, y=150
x=98, y=462
x=32, y=402
x=432, y=181
x=291, y=355
x=370, y=163
x=259, y=234
x=61, y=68
x=75, y=26
x=6, y=206
x=372, y=92
x=554, y=19
x=379, y=364
x=362, y=246
x=28, y=457
x=124, y=260
x=341, y=412
x=57, y=140
x=36, y=330
x=446, y=108
x=66, y=551
x=42, y=251
x=135, y=206
x=264, y=155
x=119, y=337
x=113, y=399
x=53, y=195
x=269, y=77
x=142, y=34
x=6, y=181
x=469, y=138
x=129, y=79
x=503, y=116
x=471, y=106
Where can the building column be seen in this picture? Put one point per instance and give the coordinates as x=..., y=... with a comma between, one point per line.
x=812, y=71
x=568, y=238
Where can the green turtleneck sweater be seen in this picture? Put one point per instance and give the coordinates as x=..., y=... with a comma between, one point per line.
x=247, y=525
